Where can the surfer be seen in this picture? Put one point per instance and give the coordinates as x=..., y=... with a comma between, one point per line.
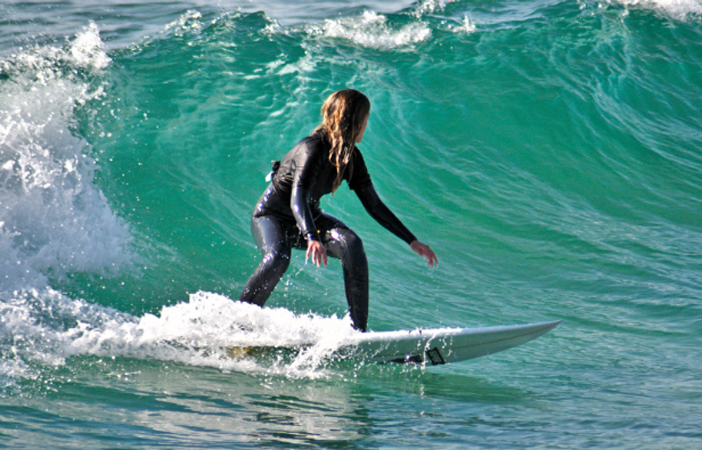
x=288, y=214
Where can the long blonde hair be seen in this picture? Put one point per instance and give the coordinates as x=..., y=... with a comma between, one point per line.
x=343, y=114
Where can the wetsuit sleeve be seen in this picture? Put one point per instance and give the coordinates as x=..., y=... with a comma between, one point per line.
x=382, y=214
x=306, y=170
x=362, y=185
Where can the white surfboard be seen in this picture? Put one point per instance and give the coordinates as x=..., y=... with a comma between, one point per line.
x=439, y=345
x=432, y=346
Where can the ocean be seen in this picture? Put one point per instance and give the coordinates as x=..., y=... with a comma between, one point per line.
x=549, y=151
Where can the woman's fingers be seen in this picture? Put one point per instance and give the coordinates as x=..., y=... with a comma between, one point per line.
x=316, y=252
x=425, y=251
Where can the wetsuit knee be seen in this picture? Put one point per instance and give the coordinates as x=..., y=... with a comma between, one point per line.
x=347, y=246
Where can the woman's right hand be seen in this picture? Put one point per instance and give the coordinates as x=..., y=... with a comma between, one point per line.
x=317, y=252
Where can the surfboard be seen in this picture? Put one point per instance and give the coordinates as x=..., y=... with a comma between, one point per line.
x=440, y=345
x=432, y=346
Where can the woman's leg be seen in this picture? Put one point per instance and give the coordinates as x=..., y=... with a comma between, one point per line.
x=270, y=234
x=344, y=244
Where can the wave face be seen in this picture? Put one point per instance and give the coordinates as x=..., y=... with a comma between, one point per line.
x=548, y=151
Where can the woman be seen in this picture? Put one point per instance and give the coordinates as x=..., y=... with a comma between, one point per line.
x=288, y=214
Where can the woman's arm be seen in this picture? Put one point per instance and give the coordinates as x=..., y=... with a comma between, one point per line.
x=307, y=164
x=306, y=173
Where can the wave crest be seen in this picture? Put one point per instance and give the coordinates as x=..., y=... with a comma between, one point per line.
x=372, y=30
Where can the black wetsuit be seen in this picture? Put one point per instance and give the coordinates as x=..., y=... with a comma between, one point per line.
x=288, y=215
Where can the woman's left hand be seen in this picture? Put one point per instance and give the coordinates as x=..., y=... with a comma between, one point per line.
x=425, y=251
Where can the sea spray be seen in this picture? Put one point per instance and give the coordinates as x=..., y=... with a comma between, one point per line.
x=53, y=219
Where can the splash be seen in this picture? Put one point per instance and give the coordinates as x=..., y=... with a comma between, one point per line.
x=40, y=328
x=466, y=26
x=209, y=326
x=53, y=220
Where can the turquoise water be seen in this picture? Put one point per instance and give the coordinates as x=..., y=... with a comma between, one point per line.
x=548, y=151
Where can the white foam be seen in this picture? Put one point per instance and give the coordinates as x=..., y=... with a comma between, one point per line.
x=677, y=9
x=372, y=30
x=204, y=330
x=429, y=7
x=88, y=50
x=53, y=220
x=47, y=327
x=189, y=22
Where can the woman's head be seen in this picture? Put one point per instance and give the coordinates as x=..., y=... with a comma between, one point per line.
x=344, y=118
x=344, y=114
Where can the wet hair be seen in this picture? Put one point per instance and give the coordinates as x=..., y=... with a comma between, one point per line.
x=342, y=117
